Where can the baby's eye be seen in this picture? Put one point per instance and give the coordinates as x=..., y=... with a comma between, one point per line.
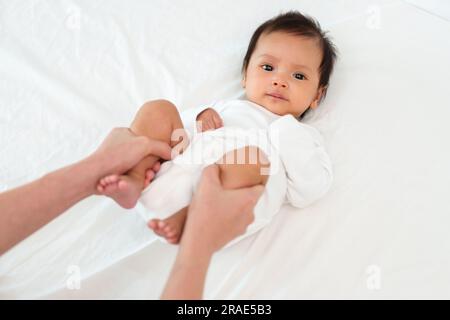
x=299, y=76
x=267, y=65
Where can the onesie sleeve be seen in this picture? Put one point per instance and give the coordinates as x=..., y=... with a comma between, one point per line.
x=189, y=116
x=307, y=164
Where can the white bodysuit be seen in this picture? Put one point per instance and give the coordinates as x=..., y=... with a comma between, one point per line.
x=300, y=169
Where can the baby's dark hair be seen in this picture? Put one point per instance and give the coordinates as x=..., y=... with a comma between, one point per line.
x=294, y=22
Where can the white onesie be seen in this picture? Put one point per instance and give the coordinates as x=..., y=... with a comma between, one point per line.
x=300, y=169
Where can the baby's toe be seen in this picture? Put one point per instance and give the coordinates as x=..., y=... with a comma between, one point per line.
x=172, y=240
x=111, y=179
x=153, y=224
x=150, y=174
x=169, y=231
x=148, y=179
x=156, y=166
x=122, y=184
x=171, y=234
x=161, y=224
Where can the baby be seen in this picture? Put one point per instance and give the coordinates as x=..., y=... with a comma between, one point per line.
x=285, y=71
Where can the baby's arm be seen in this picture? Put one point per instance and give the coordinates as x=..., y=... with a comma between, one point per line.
x=192, y=115
x=307, y=165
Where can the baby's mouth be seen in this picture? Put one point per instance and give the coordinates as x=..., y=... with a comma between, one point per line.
x=277, y=96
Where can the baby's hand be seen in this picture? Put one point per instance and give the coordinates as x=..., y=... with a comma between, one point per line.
x=208, y=119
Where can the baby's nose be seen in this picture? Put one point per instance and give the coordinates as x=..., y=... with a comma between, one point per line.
x=278, y=82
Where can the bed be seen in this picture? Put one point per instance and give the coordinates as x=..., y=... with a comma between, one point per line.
x=72, y=70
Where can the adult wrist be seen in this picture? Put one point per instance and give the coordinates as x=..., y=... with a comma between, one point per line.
x=191, y=246
x=88, y=172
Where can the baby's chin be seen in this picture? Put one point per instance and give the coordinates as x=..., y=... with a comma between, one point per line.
x=276, y=109
x=280, y=109
x=279, y=112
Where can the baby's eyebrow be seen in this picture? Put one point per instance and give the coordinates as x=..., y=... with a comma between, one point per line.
x=295, y=65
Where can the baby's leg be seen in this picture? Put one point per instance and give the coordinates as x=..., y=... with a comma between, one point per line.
x=239, y=168
x=245, y=167
x=157, y=120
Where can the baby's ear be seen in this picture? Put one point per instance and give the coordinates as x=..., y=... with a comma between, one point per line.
x=320, y=93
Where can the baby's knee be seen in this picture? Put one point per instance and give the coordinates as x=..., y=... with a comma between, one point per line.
x=158, y=119
x=165, y=114
x=244, y=167
x=160, y=109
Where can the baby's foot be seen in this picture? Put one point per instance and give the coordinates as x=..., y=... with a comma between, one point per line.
x=123, y=189
x=170, y=228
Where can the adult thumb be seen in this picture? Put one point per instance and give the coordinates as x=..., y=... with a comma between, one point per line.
x=155, y=147
x=211, y=174
x=256, y=192
x=247, y=197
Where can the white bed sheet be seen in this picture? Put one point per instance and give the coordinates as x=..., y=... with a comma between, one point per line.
x=71, y=70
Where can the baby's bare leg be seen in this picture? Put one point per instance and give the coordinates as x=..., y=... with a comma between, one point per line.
x=239, y=168
x=242, y=168
x=157, y=120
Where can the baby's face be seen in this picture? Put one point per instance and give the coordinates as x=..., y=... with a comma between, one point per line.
x=286, y=65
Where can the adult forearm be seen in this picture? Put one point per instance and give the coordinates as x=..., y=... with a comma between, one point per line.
x=26, y=209
x=188, y=275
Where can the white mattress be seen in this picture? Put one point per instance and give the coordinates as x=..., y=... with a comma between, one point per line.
x=71, y=70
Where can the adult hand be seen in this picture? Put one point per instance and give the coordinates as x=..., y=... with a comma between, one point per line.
x=122, y=149
x=57, y=191
x=216, y=215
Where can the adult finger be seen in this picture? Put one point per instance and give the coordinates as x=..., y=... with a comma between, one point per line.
x=255, y=192
x=158, y=148
x=210, y=175
x=247, y=197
